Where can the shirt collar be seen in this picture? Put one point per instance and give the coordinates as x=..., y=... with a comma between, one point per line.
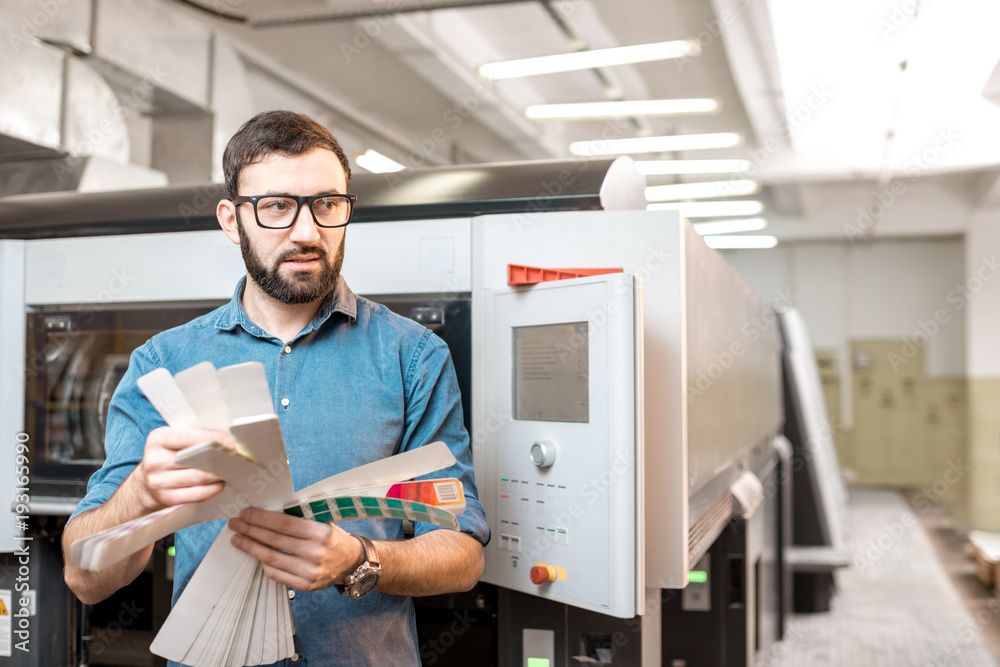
x=341, y=300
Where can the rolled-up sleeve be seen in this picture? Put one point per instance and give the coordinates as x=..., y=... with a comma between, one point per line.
x=131, y=417
x=433, y=413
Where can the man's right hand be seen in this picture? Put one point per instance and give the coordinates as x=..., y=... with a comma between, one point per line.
x=161, y=483
x=156, y=482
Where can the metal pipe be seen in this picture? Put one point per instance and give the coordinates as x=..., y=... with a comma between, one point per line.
x=301, y=85
x=395, y=7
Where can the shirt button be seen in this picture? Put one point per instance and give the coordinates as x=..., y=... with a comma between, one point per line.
x=284, y=402
x=291, y=594
x=288, y=349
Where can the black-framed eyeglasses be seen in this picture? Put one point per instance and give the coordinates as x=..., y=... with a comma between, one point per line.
x=281, y=211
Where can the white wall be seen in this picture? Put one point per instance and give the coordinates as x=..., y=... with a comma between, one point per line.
x=882, y=289
x=846, y=210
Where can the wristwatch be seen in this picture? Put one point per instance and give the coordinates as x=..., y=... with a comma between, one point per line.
x=364, y=579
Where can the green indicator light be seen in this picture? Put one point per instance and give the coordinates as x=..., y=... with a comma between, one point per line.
x=538, y=662
x=697, y=576
x=170, y=551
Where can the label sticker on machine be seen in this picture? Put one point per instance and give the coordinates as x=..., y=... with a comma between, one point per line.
x=552, y=372
x=5, y=626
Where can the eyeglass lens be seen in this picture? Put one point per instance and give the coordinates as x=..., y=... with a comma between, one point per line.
x=278, y=211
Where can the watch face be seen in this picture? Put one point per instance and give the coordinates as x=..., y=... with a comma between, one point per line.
x=366, y=583
x=362, y=582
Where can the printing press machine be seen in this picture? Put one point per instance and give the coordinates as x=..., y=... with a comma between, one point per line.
x=626, y=427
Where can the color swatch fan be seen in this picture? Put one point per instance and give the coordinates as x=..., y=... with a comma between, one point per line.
x=231, y=613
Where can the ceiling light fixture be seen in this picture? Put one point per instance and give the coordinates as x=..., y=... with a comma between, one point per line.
x=373, y=161
x=711, y=209
x=569, y=62
x=623, y=108
x=668, y=144
x=673, y=167
x=733, y=242
x=680, y=191
x=730, y=226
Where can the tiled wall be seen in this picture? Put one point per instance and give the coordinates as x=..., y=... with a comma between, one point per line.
x=984, y=453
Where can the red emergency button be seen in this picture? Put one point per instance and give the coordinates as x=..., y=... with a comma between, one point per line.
x=543, y=574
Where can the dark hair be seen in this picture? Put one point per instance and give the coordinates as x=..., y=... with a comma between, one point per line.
x=270, y=132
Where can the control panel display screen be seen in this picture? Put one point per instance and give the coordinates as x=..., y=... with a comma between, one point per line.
x=551, y=372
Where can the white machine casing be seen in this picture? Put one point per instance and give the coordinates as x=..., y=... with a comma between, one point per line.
x=699, y=321
x=567, y=352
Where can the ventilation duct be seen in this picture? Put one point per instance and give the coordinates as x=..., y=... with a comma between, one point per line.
x=81, y=78
x=60, y=125
x=261, y=13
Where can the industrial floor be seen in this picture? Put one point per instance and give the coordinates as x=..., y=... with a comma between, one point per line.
x=909, y=599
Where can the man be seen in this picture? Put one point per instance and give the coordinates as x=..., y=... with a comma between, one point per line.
x=352, y=383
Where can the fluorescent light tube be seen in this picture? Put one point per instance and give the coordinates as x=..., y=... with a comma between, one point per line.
x=586, y=110
x=376, y=163
x=568, y=62
x=731, y=242
x=668, y=144
x=672, y=167
x=730, y=226
x=710, y=209
x=679, y=191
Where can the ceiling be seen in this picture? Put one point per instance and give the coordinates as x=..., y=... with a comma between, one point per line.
x=418, y=72
x=834, y=100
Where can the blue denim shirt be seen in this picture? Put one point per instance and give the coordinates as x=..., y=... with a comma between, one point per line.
x=362, y=384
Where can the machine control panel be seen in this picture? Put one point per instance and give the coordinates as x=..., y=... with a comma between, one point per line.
x=564, y=457
x=543, y=454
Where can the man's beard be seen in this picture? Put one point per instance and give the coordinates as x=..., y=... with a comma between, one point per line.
x=299, y=288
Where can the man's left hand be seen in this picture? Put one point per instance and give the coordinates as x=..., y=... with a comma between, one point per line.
x=302, y=554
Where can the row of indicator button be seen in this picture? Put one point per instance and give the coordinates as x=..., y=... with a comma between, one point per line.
x=557, y=535
x=510, y=543
x=542, y=489
x=525, y=504
x=514, y=485
x=551, y=490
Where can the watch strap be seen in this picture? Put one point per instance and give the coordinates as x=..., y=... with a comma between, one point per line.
x=366, y=576
x=371, y=556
